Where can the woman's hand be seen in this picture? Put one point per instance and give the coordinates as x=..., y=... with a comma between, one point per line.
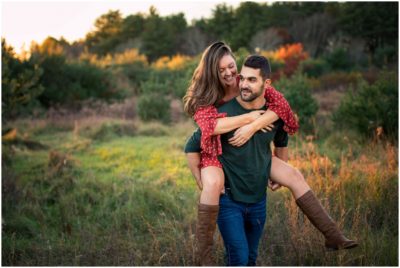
x=270, y=127
x=242, y=135
x=254, y=115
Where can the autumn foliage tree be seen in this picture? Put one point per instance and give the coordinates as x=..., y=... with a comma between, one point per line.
x=290, y=55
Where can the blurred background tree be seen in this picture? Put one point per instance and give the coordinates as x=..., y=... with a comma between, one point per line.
x=19, y=85
x=147, y=53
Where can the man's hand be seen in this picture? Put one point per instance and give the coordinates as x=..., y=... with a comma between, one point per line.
x=199, y=183
x=273, y=185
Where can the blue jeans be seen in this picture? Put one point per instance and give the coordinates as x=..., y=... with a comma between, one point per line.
x=241, y=226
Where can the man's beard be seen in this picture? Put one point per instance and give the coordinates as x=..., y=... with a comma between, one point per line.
x=252, y=96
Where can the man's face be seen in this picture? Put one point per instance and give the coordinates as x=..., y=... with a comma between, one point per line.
x=251, y=84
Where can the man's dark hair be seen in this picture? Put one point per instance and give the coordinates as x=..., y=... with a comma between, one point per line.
x=259, y=62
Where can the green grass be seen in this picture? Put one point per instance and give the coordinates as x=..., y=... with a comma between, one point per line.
x=129, y=199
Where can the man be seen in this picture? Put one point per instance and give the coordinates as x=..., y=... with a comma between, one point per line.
x=242, y=210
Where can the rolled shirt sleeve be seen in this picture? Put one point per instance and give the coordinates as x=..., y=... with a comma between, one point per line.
x=193, y=142
x=281, y=138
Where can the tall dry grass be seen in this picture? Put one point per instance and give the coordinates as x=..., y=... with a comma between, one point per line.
x=99, y=197
x=360, y=193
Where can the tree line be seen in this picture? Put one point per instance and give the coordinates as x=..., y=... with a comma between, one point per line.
x=145, y=53
x=251, y=25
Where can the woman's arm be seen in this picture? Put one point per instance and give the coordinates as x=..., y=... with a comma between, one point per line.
x=227, y=124
x=244, y=133
x=266, y=119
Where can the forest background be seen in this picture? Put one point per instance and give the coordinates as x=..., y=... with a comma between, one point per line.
x=93, y=170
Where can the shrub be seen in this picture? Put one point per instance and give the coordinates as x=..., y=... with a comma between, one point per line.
x=167, y=82
x=241, y=54
x=137, y=73
x=335, y=80
x=370, y=107
x=154, y=106
x=67, y=83
x=155, y=86
x=314, y=67
x=297, y=92
x=154, y=129
x=339, y=59
x=385, y=54
x=110, y=130
x=277, y=65
x=176, y=62
x=291, y=55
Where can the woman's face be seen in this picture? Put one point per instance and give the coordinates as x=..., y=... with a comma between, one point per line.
x=228, y=71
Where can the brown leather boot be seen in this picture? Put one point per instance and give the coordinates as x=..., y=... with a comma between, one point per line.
x=206, y=224
x=315, y=212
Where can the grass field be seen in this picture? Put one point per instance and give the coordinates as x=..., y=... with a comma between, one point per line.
x=106, y=192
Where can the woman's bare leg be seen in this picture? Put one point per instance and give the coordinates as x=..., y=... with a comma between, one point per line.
x=288, y=176
x=212, y=179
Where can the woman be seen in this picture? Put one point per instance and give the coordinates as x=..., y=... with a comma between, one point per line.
x=213, y=83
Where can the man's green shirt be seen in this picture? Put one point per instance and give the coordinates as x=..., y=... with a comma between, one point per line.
x=246, y=168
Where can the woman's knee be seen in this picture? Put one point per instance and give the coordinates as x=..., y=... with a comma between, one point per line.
x=213, y=183
x=296, y=176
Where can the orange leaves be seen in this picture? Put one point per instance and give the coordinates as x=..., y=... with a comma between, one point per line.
x=291, y=55
x=175, y=62
x=291, y=52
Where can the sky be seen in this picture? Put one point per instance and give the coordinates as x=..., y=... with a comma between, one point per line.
x=25, y=21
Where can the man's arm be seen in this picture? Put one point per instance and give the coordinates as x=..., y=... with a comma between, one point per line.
x=281, y=151
x=193, y=160
x=192, y=150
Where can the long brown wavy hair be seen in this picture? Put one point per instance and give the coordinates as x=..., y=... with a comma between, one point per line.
x=206, y=88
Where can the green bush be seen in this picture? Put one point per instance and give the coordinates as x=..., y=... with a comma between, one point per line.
x=371, y=106
x=167, y=82
x=314, y=67
x=385, y=54
x=154, y=129
x=137, y=72
x=241, y=54
x=154, y=106
x=339, y=59
x=339, y=79
x=110, y=130
x=67, y=82
x=297, y=92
